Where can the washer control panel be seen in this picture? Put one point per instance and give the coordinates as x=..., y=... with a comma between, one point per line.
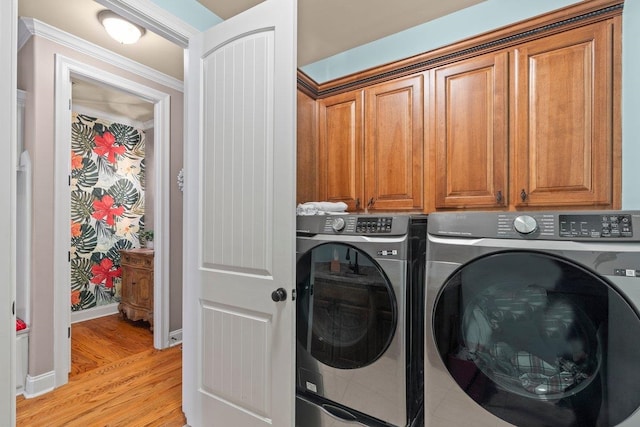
x=363, y=225
x=374, y=225
x=603, y=225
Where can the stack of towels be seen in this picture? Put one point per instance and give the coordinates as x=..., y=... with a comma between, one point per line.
x=321, y=208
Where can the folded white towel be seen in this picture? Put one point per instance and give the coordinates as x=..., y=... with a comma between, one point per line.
x=320, y=208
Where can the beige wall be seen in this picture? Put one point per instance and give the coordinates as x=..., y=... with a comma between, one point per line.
x=36, y=75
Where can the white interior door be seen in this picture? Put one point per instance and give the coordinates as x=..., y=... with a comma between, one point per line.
x=240, y=221
x=8, y=162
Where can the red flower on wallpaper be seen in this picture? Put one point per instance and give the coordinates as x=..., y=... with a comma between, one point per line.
x=75, y=297
x=76, y=229
x=76, y=161
x=104, y=273
x=103, y=209
x=104, y=145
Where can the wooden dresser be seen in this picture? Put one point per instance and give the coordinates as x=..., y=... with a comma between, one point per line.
x=136, y=302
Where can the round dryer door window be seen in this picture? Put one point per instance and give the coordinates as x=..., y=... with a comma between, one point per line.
x=539, y=340
x=346, y=308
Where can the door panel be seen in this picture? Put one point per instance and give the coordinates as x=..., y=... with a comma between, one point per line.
x=394, y=135
x=471, y=133
x=341, y=149
x=563, y=144
x=240, y=216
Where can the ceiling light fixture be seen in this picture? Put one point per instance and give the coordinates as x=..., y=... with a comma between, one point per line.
x=120, y=29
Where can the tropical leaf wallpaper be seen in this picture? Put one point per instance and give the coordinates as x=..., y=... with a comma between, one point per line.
x=107, y=206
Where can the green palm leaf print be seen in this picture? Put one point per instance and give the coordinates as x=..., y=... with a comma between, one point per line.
x=124, y=193
x=82, y=137
x=80, y=273
x=125, y=135
x=81, y=206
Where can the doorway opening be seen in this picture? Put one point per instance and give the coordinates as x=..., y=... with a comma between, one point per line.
x=68, y=70
x=111, y=201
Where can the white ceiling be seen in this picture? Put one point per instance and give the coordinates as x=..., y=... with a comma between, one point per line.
x=325, y=28
x=80, y=18
x=328, y=27
x=121, y=107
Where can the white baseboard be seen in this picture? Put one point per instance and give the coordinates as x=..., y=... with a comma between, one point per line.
x=94, y=313
x=175, y=337
x=40, y=384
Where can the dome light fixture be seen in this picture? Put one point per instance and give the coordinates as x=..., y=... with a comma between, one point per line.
x=120, y=29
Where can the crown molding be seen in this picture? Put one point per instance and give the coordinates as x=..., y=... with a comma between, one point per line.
x=28, y=27
x=578, y=14
x=154, y=18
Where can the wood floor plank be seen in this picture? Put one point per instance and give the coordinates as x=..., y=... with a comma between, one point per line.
x=118, y=380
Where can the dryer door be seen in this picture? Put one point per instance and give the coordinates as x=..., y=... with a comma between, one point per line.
x=346, y=307
x=536, y=340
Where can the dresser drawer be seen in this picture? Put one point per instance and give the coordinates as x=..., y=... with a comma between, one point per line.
x=136, y=259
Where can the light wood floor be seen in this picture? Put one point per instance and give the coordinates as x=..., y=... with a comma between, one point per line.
x=116, y=379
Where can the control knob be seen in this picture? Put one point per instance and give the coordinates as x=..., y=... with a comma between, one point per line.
x=338, y=224
x=525, y=224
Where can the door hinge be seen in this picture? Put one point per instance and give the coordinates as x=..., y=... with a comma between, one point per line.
x=69, y=332
x=68, y=256
x=69, y=104
x=293, y=295
x=13, y=308
x=69, y=180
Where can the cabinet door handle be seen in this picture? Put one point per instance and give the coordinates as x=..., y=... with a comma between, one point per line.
x=371, y=202
x=523, y=195
x=358, y=203
x=499, y=197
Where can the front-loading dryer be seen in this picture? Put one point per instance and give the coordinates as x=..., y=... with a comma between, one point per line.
x=360, y=334
x=532, y=319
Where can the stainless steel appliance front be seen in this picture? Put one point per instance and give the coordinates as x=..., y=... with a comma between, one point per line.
x=532, y=319
x=356, y=300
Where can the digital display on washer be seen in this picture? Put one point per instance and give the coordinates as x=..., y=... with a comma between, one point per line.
x=601, y=225
x=374, y=225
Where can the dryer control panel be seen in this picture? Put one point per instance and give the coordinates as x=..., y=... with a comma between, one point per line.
x=604, y=225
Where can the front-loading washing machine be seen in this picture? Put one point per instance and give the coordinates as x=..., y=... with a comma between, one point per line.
x=360, y=333
x=532, y=319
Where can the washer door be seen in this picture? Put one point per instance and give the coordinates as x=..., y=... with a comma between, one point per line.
x=539, y=340
x=346, y=308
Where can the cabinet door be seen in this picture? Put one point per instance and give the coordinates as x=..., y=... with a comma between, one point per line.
x=126, y=291
x=471, y=128
x=307, y=150
x=563, y=114
x=141, y=288
x=340, y=149
x=394, y=137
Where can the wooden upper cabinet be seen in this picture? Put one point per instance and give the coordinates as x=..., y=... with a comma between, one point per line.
x=471, y=132
x=525, y=117
x=562, y=119
x=307, y=149
x=394, y=138
x=340, y=149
